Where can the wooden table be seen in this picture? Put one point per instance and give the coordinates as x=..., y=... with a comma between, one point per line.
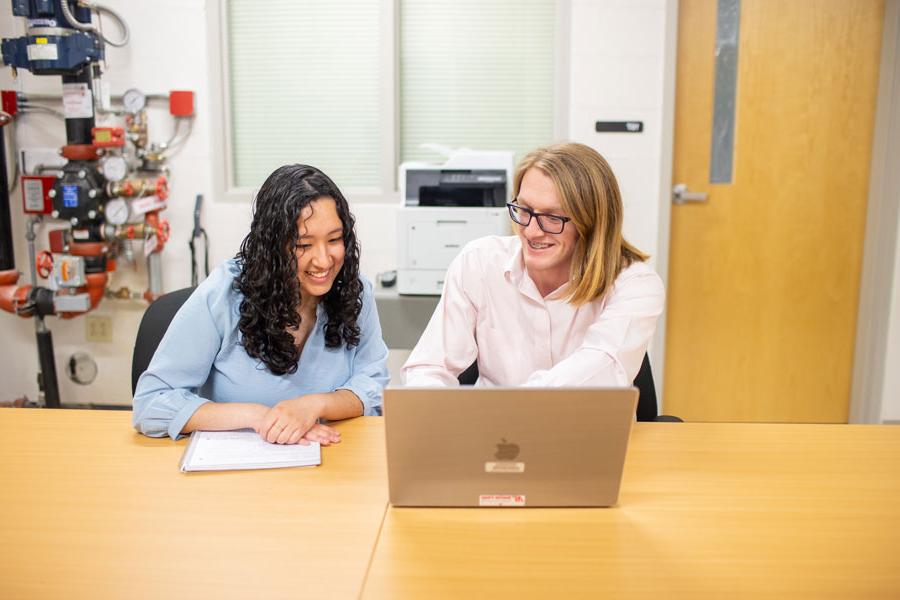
x=88, y=508
x=706, y=511
x=91, y=509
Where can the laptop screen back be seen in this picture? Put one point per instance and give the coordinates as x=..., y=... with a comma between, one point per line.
x=480, y=446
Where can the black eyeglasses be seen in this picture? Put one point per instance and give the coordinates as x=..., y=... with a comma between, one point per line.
x=548, y=223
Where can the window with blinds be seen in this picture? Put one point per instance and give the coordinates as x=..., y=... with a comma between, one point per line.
x=303, y=84
x=476, y=74
x=304, y=75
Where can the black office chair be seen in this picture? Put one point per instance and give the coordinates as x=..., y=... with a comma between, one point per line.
x=152, y=329
x=646, y=409
x=647, y=405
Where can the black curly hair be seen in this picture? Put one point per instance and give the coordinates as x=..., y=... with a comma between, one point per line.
x=268, y=276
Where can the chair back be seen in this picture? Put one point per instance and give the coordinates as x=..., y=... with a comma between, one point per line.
x=152, y=329
x=647, y=409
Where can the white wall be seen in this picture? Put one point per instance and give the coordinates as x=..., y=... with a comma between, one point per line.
x=617, y=75
x=620, y=40
x=618, y=55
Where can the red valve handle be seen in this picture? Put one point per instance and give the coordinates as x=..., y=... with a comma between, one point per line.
x=162, y=188
x=44, y=264
x=162, y=231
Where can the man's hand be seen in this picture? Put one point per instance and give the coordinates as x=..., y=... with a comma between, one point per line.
x=296, y=421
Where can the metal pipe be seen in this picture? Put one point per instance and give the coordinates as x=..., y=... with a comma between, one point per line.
x=58, y=98
x=154, y=272
x=123, y=26
x=42, y=168
x=32, y=108
x=30, y=236
x=47, y=381
x=177, y=140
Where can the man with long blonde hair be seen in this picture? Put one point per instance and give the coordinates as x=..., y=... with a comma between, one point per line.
x=565, y=302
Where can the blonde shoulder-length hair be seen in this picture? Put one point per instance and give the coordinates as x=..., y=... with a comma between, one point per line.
x=590, y=197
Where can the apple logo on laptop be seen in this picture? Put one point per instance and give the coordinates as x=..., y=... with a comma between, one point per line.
x=506, y=450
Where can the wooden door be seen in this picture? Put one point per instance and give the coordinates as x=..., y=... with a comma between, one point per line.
x=764, y=276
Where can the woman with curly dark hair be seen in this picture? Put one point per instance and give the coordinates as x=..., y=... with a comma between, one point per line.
x=279, y=337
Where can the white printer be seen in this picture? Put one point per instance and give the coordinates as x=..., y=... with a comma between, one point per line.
x=444, y=206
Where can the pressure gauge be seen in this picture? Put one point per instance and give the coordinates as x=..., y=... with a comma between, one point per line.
x=114, y=168
x=134, y=100
x=81, y=368
x=116, y=211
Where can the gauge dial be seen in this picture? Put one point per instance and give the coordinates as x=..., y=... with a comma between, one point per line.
x=116, y=211
x=134, y=100
x=81, y=368
x=114, y=168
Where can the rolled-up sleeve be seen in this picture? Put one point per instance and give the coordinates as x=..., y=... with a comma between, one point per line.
x=166, y=394
x=369, y=373
x=615, y=343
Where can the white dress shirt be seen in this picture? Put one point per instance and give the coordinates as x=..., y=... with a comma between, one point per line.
x=491, y=311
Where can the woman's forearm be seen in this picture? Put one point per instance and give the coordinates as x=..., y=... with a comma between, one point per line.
x=216, y=416
x=340, y=404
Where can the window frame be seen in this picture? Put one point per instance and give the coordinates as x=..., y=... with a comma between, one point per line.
x=389, y=102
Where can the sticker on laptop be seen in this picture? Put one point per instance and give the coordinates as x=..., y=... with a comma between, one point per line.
x=501, y=500
x=505, y=466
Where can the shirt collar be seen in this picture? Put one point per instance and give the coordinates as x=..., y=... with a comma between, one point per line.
x=515, y=273
x=514, y=269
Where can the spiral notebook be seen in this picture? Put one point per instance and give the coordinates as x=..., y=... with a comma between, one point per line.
x=244, y=449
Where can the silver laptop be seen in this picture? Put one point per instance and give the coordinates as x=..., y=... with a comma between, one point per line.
x=489, y=446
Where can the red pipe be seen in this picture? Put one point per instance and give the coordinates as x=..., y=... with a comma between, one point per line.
x=88, y=248
x=13, y=295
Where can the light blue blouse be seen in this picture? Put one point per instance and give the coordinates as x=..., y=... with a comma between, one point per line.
x=200, y=359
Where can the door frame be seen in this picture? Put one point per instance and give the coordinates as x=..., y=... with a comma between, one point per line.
x=867, y=393
x=664, y=207
x=882, y=226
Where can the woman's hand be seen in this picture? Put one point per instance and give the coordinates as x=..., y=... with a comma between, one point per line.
x=323, y=434
x=295, y=421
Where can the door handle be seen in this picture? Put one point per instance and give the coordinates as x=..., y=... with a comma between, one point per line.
x=681, y=195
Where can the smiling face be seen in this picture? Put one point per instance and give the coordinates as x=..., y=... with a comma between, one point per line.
x=320, y=247
x=548, y=257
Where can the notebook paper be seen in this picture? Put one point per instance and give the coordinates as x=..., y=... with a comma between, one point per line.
x=244, y=449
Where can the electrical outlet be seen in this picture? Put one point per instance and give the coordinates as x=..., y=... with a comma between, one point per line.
x=98, y=328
